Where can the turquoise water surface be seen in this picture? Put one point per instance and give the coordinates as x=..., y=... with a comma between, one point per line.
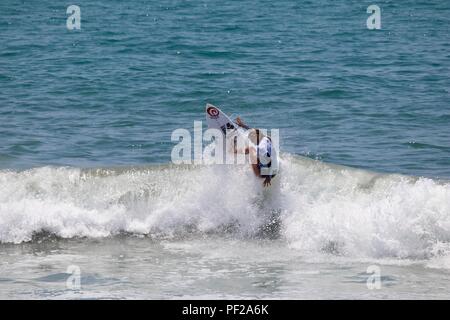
x=112, y=92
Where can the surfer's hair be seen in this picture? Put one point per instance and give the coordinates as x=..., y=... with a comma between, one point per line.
x=256, y=136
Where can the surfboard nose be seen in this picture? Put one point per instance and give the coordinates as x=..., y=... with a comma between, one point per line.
x=209, y=105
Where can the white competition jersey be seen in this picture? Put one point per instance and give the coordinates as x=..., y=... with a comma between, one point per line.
x=267, y=156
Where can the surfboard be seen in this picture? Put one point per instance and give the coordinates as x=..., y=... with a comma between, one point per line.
x=216, y=119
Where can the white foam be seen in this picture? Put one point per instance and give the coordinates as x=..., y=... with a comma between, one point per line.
x=324, y=208
x=71, y=202
x=358, y=213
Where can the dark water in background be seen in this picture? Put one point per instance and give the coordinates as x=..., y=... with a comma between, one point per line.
x=112, y=92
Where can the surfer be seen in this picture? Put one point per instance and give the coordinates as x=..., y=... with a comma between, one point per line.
x=262, y=155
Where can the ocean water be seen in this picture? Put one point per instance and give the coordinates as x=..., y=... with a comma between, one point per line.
x=87, y=184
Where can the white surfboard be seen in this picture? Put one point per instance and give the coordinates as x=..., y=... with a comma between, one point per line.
x=217, y=119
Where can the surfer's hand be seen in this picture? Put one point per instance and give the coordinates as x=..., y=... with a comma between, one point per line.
x=266, y=182
x=241, y=123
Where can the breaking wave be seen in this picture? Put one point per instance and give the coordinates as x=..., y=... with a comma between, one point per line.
x=317, y=207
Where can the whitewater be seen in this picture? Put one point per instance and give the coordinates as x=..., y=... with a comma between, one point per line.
x=213, y=231
x=318, y=207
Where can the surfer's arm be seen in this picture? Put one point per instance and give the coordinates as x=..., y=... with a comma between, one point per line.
x=256, y=171
x=240, y=123
x=254, y=162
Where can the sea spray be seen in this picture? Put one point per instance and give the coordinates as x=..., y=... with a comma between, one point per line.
x=320, y=208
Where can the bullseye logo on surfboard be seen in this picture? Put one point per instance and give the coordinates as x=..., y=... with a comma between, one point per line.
x=213, y=112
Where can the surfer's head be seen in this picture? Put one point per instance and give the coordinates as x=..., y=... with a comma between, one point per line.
x=255, y=136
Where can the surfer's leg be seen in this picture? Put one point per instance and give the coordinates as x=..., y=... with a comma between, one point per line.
x=256, y=170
